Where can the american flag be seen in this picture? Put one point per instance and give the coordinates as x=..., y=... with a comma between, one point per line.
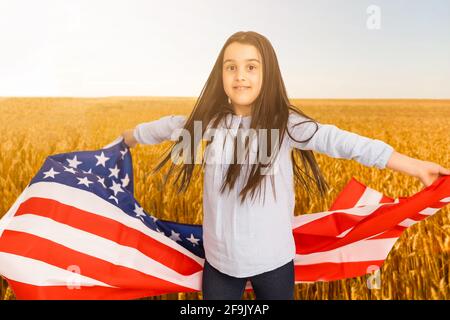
x=77, y=232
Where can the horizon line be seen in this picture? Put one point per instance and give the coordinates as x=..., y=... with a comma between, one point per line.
x=195, y=97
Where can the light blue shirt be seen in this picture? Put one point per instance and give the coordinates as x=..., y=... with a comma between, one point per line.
x=246, y=239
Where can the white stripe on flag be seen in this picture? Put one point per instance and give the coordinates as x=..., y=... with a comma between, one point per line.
x=407, y=222
x=362, y=250
x=369, y=197
x=429, y=211
x=18, y=268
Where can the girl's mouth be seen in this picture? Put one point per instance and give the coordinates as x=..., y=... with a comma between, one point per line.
x=241, y=88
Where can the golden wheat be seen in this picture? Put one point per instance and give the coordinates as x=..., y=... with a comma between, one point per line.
x=416, y=268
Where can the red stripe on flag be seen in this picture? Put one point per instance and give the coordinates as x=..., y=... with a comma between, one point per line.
x=395, y=232
x=331, y=225
x=349, y=196
x=24, y=291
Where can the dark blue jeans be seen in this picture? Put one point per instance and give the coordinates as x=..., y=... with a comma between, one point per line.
x=277, y=284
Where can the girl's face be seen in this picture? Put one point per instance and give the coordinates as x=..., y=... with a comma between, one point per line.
x=242, y=75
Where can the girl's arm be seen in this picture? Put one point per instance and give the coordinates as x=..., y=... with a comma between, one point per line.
x=339, y=143
x=155, y=131
x=427, y=172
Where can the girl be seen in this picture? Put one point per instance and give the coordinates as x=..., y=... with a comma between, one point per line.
x=244, y=237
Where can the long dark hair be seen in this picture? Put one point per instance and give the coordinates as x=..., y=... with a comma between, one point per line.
x=270, y=110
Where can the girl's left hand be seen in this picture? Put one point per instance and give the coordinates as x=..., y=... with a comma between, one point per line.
x=428, y=172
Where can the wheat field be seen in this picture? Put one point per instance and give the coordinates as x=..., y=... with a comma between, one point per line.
x=416, y=268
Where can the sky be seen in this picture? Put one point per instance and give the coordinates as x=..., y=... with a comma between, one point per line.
x=325, y=49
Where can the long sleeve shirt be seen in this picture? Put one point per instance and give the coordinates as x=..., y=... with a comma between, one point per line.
x=247, y=239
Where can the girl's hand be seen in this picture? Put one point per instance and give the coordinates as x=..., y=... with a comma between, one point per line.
x=428, y=172
x=129, y=138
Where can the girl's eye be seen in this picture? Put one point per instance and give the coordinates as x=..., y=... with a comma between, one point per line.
x=251, y=66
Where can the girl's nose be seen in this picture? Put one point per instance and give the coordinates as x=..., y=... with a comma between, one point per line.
x=240, y=75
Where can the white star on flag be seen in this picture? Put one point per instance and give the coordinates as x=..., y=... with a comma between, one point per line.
x=101, y=159
x=139, y=211
x=71, y=170
x=124, y=152
x=84, y=181
x=125, y=181
x=116, y=188
x=50, y=173
x=193, y=239
x=102, y=181
x=114, y=198
x=175, y=236
x=114, y=172
x=74, y=162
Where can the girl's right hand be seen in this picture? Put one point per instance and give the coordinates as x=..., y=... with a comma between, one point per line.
x=129, y=138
